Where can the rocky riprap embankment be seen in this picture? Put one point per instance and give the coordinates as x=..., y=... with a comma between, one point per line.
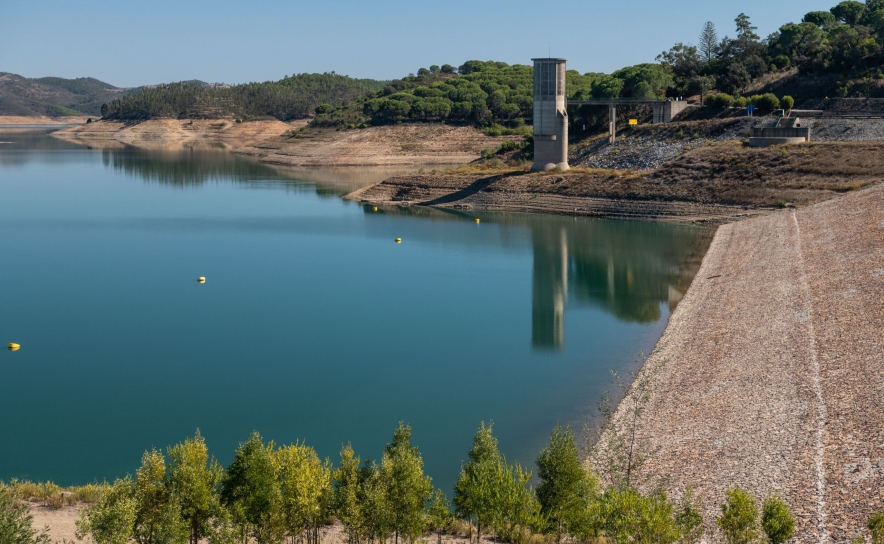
x=772, y=369
x=647, y=150
x=846, y=130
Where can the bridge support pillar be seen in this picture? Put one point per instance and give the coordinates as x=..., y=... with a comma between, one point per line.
x=612, y=123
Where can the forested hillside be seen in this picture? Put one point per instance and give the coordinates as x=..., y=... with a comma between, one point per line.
x=289, y=98
x=827, y=53
x=54, y=96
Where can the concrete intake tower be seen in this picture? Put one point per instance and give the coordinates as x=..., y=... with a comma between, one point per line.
x=550, y=115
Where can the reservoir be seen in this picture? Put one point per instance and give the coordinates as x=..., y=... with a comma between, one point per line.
x=313, y=324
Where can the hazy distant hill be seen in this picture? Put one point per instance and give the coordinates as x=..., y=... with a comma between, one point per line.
x=54, y=96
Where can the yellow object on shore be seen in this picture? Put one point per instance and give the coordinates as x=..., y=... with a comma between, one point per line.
x=477, y=220
x=14, y=347
x=398, y=240
x=201, y=279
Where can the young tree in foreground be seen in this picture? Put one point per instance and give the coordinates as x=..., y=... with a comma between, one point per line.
x=193, y=482
x=157, y=517
x=346, y=496
x=306, y=490
x=16, y=522
x=409, y=489
x=689, y=518
x=473, y=493
x=776, y=520
x=439, y=514
x=566, y=486
x=739, y=517
x=111, y=520
x=627, y=517
x=251, y=491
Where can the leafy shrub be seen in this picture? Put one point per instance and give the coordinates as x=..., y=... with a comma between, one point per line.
x=776, y=520
x=739, y=518
x=787, y=102
x=16, y=522
x=876, y=526
x=741, y=102
x=767, y=102
x=720, y=100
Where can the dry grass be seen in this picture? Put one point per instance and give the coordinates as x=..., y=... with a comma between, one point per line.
x=53, y=496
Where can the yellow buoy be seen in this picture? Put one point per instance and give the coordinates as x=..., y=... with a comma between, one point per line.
x=14, y=347
x=375, y=209
x=201, y=279
x=477, y=220
x=398, y=240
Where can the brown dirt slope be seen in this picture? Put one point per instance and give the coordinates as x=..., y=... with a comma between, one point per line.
x=164, y=133
x=773, y=375
x=713, y=182
x=376, y=146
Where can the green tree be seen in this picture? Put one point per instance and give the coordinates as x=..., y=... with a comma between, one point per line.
x=346, y=501
x=16, y=522
x=157, y=519
x=439, y=514
x=689, y=518
x=776, y=520
x=193, y=483
x=876, y=527
x=630, y=517
x=739, y=517
x=566, y=486
x=745, y=30
x=306, y=487
x=251, y=491
x=374, y=497
x=822, y=19
x=409, y=489
x=111, y=519
x=787, y=102
x=474, y=489
x=708, y=41
x=849, y=12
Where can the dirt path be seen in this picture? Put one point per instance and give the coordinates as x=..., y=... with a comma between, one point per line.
x=773, y=375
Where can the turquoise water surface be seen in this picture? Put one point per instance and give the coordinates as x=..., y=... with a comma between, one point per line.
x=313, y=323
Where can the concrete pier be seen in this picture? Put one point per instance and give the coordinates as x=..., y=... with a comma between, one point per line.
x=550, y=115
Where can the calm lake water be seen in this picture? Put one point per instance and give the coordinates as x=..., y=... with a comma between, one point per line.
x=313, y=324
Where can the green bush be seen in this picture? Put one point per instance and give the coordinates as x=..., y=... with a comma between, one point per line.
x=776, y=520
x=787, y=102
x=766, y=102
x=739, y=518
x=720, y=100
x=876, y=527
x=741, y=102
x=16, y=522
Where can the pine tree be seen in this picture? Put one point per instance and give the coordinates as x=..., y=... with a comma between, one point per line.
x=708, y=41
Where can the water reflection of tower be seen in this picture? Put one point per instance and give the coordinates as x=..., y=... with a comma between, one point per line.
x=550, y=289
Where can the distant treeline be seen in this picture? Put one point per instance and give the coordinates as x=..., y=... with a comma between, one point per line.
x=846, y=40
x=271, y=494
x=292, y=97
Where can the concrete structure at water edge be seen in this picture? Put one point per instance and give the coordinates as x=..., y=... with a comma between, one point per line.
x=785, y=130
x=550, y=115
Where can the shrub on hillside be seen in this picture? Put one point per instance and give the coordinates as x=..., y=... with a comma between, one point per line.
x=766, y=102
x=776, y=520
x=741, y=102
x=787, y=102
x=720, y=100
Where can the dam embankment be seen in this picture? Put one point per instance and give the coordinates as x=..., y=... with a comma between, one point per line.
x=771, y=369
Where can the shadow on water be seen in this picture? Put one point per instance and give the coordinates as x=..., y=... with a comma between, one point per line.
x=625, y=268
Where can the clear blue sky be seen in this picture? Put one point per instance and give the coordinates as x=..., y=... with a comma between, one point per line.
x=129, y=43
